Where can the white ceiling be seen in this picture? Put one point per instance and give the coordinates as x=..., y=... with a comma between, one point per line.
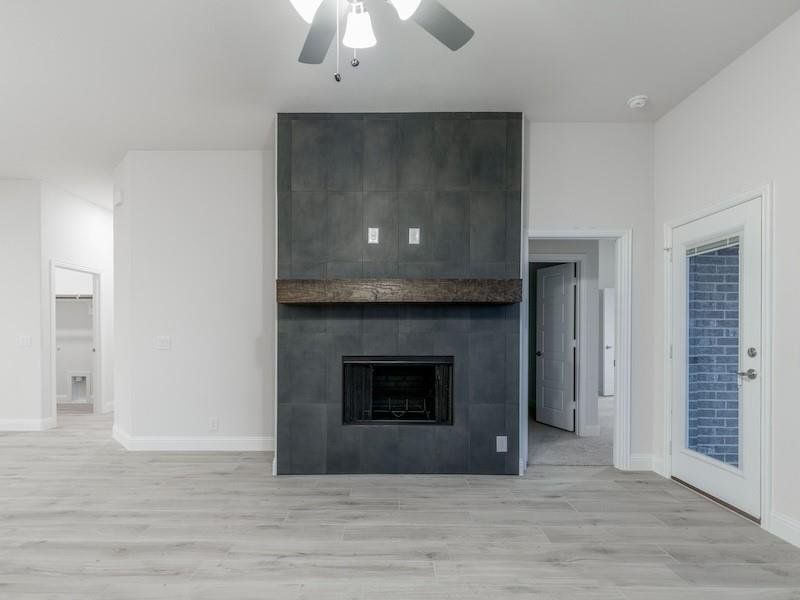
x=83, y=81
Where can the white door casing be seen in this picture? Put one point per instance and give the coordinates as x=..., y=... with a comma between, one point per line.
x=555, y=346
x=695, y=459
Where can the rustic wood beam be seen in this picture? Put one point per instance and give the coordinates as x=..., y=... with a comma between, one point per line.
x=399, y=291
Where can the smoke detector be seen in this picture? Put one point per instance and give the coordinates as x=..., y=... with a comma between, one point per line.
x=638, y=102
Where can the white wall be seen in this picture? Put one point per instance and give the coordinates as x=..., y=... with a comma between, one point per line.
x=190, y=267
x=77, y=232
x=73, y=283
x=600, y=175
x=270, y=310
x=607, y=264
x=587, y=404
x=20, y=318
x=123, y=249
x=606, y=279
x=738, y=132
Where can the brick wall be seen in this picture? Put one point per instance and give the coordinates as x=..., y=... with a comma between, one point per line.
x=713, y=409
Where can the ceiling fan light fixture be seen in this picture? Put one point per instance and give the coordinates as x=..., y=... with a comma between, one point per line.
x=307, y=9
x=406, y=8
x=359, y=33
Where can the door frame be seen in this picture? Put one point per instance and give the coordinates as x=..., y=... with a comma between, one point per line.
x=582, y=395
x=765, y=194
x=97, y=383
x=622, y=408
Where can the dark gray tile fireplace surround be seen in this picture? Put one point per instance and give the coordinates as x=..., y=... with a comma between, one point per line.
x=456, y=176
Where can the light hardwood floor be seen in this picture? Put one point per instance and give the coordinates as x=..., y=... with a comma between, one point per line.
x=83, y=519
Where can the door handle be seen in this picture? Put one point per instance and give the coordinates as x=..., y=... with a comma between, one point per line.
x=750, y=374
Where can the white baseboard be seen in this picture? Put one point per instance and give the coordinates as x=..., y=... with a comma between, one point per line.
x=785, y=527
x=217, y=443
x=641, y=462
x=660, y=466
x=27, y=424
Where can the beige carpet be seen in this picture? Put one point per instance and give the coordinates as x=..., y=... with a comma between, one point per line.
x=75, y=408
x=552, y=446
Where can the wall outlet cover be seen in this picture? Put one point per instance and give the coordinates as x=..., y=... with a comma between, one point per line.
x=373, y=235
x=162, y=342
x=502, y=443
x=413, y=236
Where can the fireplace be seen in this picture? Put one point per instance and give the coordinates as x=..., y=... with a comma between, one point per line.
x=413, y=390
x=398, y=355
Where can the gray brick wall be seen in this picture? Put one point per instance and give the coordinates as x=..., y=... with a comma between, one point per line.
x=713, y=410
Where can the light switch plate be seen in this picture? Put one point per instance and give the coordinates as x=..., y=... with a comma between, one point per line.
x=413, y=236
x=24, y=341
x=162, y=342
x=373, y=235
x=502, y=443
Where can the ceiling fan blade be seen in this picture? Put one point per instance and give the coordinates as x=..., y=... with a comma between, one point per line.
x=443, y=25
x=320, y=35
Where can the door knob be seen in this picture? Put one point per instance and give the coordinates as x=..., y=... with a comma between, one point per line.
x=750, y=374
x=538, y=353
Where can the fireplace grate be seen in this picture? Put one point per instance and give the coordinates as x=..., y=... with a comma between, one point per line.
x=413, y=390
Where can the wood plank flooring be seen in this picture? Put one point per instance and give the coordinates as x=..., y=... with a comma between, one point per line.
x=80, y=518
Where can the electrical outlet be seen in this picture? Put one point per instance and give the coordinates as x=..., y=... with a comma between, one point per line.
x=162, y=342
x=213, y=424
x=413, y=236
x=502, y=443
x=373, y=235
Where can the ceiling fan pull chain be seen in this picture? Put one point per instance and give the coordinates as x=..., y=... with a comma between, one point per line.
x=338, y=75
x=355, y=62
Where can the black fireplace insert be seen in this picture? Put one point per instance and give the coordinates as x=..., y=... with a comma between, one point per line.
x=398, y=390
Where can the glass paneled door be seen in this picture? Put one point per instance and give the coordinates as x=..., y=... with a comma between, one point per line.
x=716, y=347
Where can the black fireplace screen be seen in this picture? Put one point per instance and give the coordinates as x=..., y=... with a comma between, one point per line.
x=414, y=390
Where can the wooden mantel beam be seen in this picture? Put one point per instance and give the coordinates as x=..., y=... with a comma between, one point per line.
x=399, y=291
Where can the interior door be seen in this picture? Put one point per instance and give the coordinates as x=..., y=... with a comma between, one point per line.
x=555, y=346
x=609, y=312
x=716, y=347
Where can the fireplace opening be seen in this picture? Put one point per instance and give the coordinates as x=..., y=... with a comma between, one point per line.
x=413, y=390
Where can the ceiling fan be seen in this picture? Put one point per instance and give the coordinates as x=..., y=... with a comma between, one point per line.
x=323, y=16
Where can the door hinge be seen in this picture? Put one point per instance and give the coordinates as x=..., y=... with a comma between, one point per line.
x=668, y=250
x=670, y=351
x=670, y=446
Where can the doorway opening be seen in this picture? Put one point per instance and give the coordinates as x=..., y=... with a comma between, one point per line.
x=571, y=361
x=76, y=377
